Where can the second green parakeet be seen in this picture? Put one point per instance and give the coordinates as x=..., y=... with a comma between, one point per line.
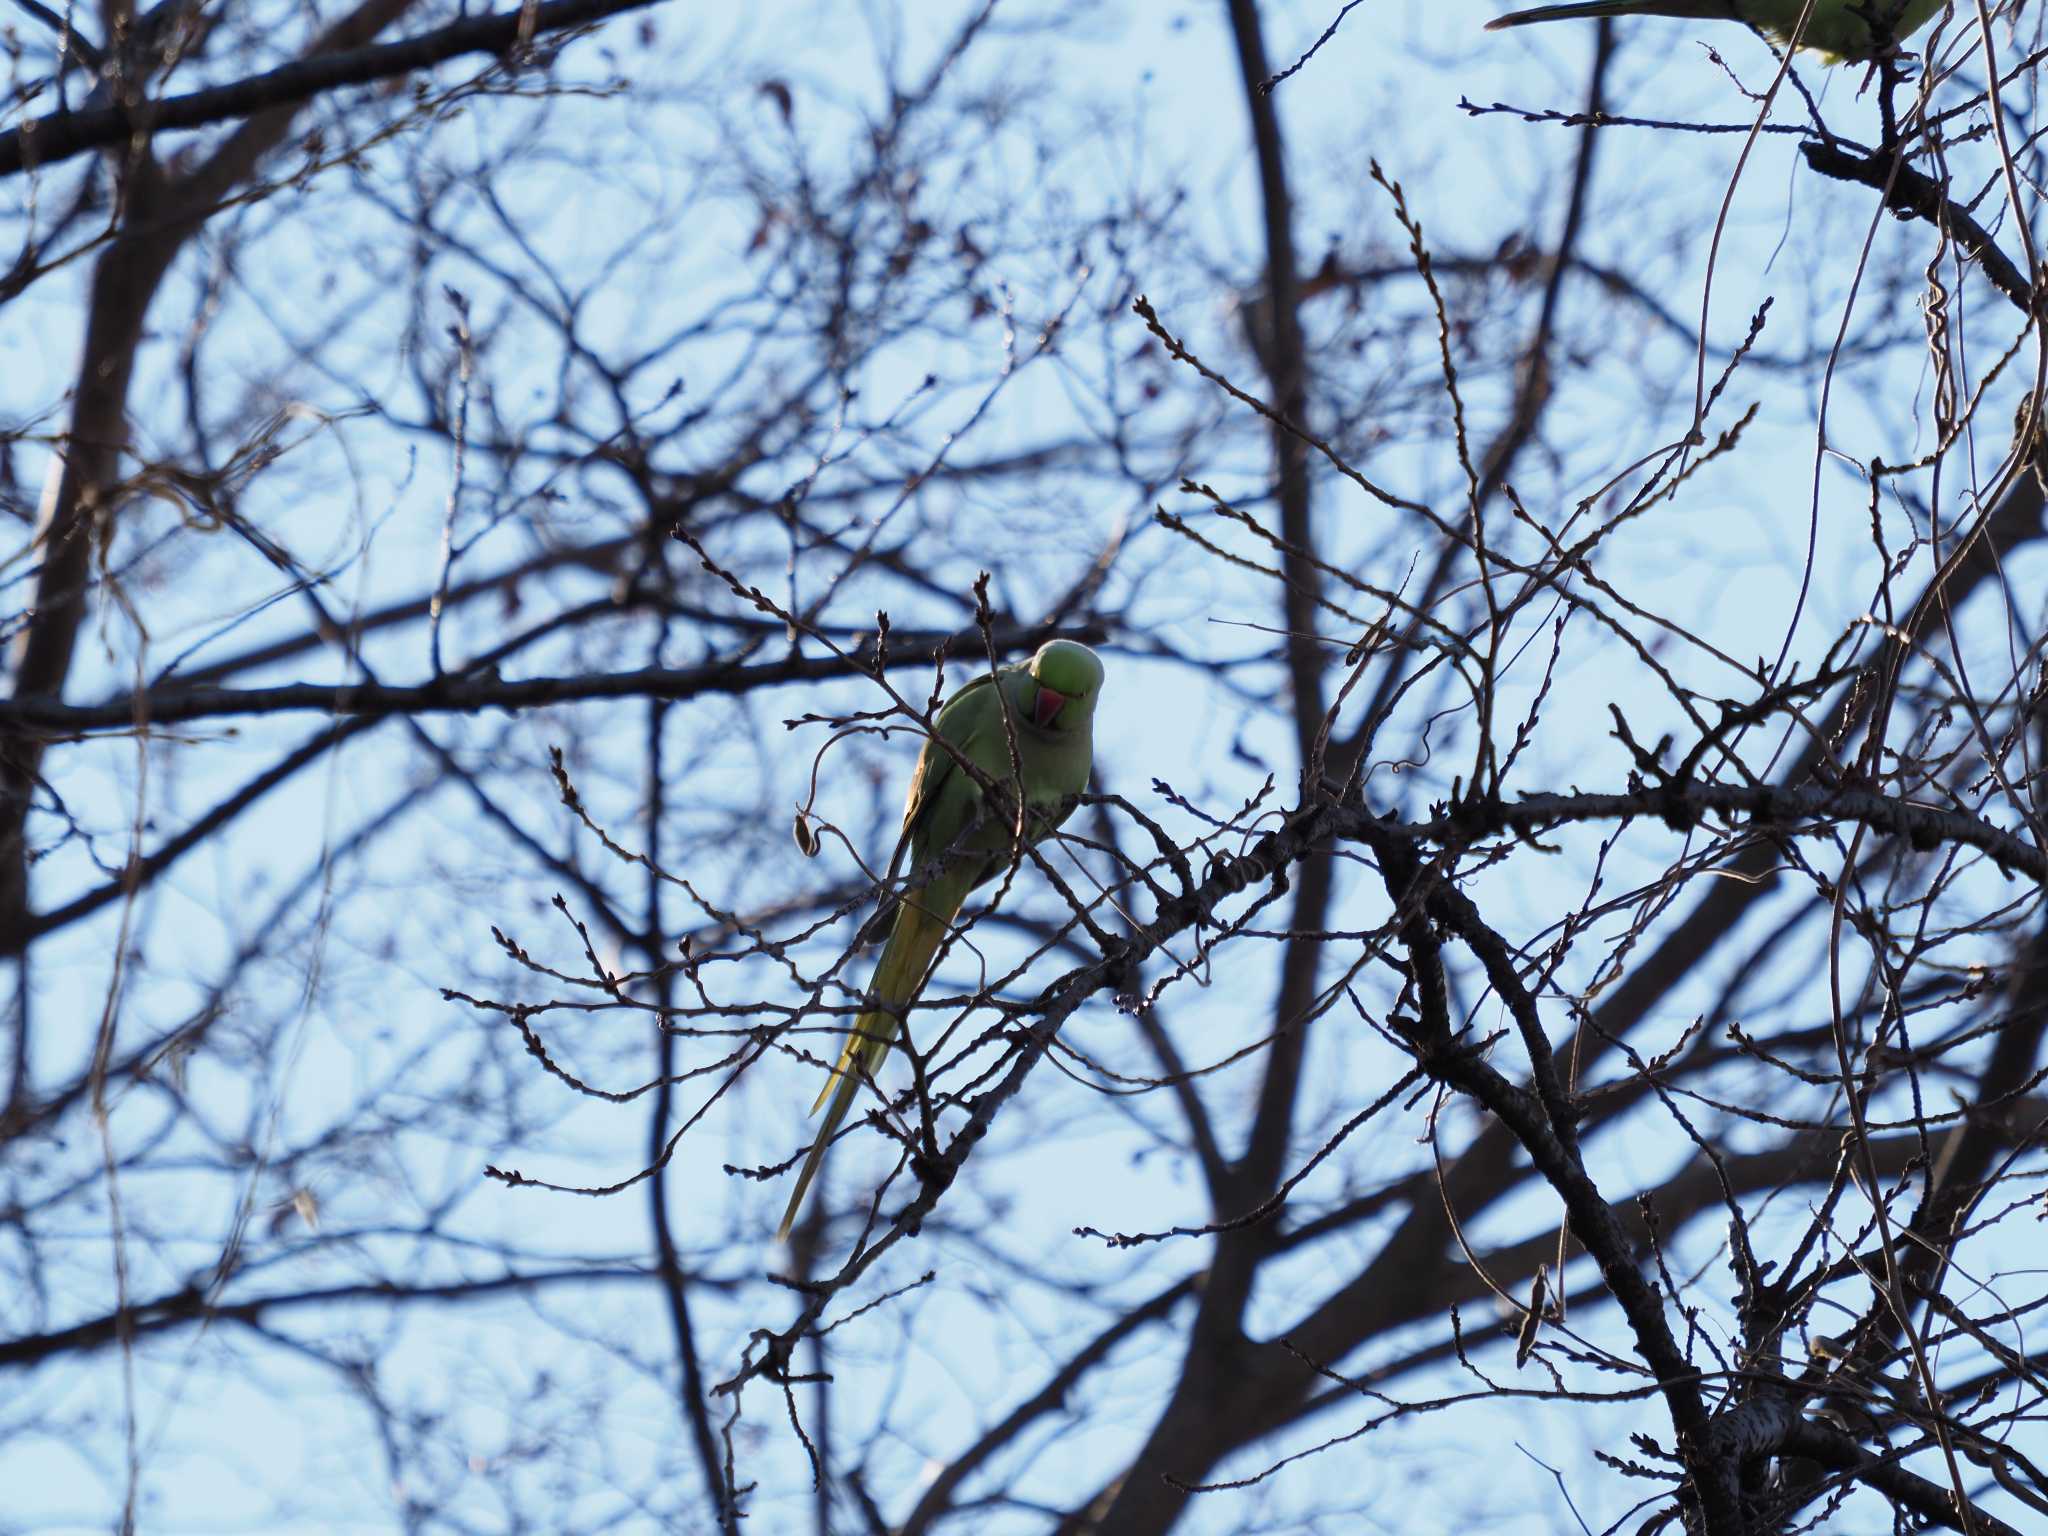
x=1841, y=29
x=1045, y=708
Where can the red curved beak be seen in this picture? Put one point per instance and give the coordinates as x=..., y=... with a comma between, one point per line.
x=1046, y=710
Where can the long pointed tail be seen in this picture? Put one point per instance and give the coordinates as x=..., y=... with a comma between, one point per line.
x=921, y=922
x=1588, y=9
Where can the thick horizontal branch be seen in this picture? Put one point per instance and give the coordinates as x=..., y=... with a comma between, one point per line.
x=1765, y=805
x=179, y=704
x=191, y=1305
x=45, y=140
x=1682, y=804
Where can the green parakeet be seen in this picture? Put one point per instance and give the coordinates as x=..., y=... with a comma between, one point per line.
x=1046, y=707
x=1841, y=29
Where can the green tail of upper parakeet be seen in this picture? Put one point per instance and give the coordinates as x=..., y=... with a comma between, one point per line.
x=1044, y=710
x=1839, y=28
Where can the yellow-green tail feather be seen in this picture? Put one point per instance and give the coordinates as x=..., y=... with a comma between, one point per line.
x=922, y=921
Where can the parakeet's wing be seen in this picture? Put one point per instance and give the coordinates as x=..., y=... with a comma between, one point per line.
x=957, y=719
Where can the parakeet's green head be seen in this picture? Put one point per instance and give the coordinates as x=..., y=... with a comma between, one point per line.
x=1069, y=676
